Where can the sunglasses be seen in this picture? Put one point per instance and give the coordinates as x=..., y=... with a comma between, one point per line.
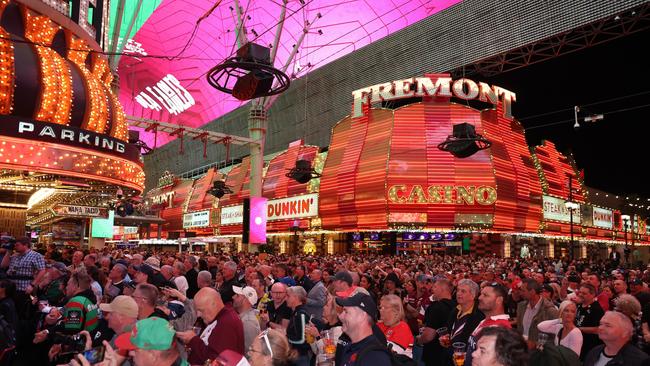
x=265, y=336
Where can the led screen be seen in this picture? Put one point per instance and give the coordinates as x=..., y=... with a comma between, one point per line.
x=103, y=228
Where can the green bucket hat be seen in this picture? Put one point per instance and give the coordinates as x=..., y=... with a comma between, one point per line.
x=148, y=334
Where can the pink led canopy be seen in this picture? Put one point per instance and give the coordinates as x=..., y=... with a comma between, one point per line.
x=175, y=89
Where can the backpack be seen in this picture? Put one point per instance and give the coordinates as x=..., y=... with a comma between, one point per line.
x=395, y=359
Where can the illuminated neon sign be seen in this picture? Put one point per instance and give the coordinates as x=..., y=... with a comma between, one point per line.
x=435, y=87
x=169, y=92
x=469, y=195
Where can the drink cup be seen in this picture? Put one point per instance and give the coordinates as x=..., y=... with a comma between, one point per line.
x=459, y=353
x=444, y=337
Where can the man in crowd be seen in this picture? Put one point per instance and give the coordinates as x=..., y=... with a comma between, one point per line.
x=357, y=318
x=243, y=302
x=436, y=316
x=121, y=314
x=278, y=313
x=116, y=282
x=588, y=318
x=229, y=271
x=302, y=279
x=204, y=279
x=191, y=274
x=317, y=296
x=601, y=297
x=491, y=302
x=23, y=267
x=223, y=330
x=145, y=296
x=77, y=261
x=533, y=310
x=615, y=330
x=151, y=342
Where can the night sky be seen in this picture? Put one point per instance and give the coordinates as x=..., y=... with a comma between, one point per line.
x=614, y=151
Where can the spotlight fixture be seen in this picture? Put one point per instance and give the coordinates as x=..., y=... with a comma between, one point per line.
x=219, y=189
x=134, y=139
x=249, y=75
x=464, y=142
x=302, y=172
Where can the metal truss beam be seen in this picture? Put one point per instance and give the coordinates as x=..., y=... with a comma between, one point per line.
x=604, y=30
x=195, y=133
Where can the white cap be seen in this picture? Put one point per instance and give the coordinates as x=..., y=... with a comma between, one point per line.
x=248, y=292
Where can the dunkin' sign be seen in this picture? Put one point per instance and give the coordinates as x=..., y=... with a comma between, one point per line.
x=298, y=207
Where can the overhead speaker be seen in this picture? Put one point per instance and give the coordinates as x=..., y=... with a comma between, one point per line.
x=464, y=141
x=302, y=172
x=249, y=75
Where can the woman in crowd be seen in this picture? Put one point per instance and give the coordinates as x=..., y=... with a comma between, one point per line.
x=271, y=348
x=564, y=329
x=330, y=323
x=411, y=306
x=366, y=281
x=392, y=324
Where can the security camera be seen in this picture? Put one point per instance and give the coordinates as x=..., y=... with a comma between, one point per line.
x=576, y=126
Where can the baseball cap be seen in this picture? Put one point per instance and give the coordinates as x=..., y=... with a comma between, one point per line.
x=352, y=291
x=362, y=301
x=344, y=276
x=574, y=278
x=59, y=266
x=247, y=292
x=148, y=334
x=153, y=262
x=637, y=281
x=124, y=305
x=144, y=268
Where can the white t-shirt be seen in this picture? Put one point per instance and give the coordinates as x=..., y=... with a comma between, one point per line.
x=181, y=284
x=602, y=359
x=573, y=340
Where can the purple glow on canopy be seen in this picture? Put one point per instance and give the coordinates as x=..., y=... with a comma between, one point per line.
x=257, y=220
x=346, y=26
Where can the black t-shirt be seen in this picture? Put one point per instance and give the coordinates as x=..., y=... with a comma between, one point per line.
x=436, y=317
x=589, y=316
x=277, y=314
x=226, y=291
x=350, y=354
x=192, y=286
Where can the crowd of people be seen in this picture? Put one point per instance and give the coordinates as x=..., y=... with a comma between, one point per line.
x=139, y=307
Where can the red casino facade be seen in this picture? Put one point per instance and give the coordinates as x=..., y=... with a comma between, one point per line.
x=386, y=186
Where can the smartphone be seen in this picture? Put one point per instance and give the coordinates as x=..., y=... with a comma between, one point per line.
x=94, y=355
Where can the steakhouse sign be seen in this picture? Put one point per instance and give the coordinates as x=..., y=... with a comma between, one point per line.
x=297, y=207
x=435, y=85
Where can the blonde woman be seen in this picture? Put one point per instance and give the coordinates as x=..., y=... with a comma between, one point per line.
x=329, y=323
x=271, y=348
x=565, y=331
x=392, y=324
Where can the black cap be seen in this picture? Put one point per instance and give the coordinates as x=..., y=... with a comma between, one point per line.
x=344, y=276
x=574, y=278
x=144, y=269
x=360, y=300
x=637, y=281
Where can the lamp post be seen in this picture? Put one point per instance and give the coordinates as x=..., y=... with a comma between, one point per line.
x=626, y=222
x=570, y=205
